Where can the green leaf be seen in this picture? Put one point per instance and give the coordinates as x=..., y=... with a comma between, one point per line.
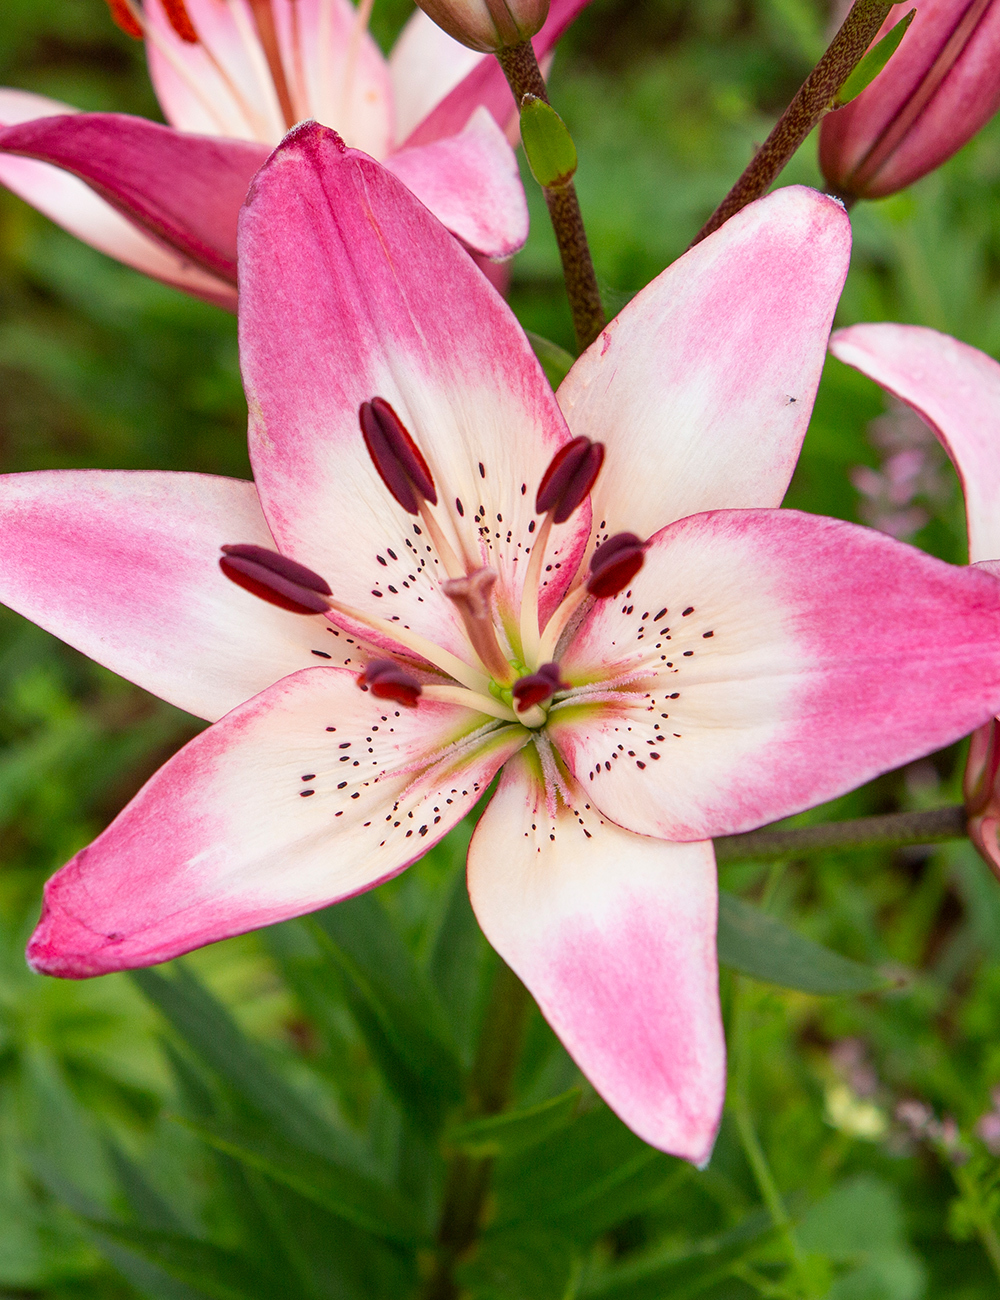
x=530, y=1264
x=757, y=944
x=214, y=1272
x=547, y=142
x=395, y=1008
x=149, y=1208
x=873, y=62
x=680, y=1272
x=210, y=1031
x=515, y=1130
x=556, y=361
x=340, y=1190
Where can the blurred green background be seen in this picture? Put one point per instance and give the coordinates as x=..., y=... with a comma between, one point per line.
x=99, y=367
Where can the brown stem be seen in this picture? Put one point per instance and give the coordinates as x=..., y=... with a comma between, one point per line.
x=490, y=1081
x=889, y=831
x=525, y=78
x=815, y=97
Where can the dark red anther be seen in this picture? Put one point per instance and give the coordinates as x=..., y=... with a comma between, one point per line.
x=124, y=18
x=538, y=687
x=569, y=478
x=385, y=679
x=275, y=578
x=180, y=20
x=615, y=564
x=396, y=456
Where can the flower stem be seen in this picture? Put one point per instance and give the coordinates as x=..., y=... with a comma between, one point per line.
x=467, y=1181
x=889, y=831
x=814, y=98
x=525, y=78
x=977, y=1211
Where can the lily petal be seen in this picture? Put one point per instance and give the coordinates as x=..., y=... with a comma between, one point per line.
x=124, y=566
x=222, y=85
x=184, y=190
x=768, y=661
x=350, y=290
x=702, y=387
x=72, y=204
x=614, y=934
x=471, y=183
x=956, y=390
x=437, y=88
x=225, y=837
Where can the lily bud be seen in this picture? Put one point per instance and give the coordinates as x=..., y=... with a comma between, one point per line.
x=939, y=87
x=488, y=25
x=981, y=788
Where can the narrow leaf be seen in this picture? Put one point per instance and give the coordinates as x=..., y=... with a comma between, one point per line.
x=211, y=1270
x=874, y=61
x=529, y=1264
x=212, y=1034
x=547, y=143
x=394, y=1007
x=757, y=944
x=515, y=1130
x=336, y=1188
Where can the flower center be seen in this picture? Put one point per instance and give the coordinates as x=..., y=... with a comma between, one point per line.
x=509, y=682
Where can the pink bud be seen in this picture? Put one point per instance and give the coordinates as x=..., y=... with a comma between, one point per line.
x=939, y=87
x=488, y=25
x=981, y=788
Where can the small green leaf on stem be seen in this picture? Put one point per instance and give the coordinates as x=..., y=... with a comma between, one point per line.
x=873, y=62
x=556, y=361
x=547, y=143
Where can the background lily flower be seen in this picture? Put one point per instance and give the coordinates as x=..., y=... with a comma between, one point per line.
x=940, y=86
x=166, y=201
x=759, y=660
x=955, y=389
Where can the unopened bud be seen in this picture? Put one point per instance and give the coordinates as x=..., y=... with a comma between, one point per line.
x=571, y=474
x=275, y=578
x=615, y=564
x=939, y=87
x=386, y=680
x=396, y=456
x=538, y=687
x=122, y=16
x=981, y=789
x=488, y=25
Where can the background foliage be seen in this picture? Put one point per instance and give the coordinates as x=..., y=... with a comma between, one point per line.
x=273, y=1117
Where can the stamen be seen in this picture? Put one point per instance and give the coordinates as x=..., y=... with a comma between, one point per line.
x=396, y=456
x=180, y=20
x=557, y=624
x=386, y=680
x=263, y=17
x=471, y=700
x=300, y=86
x=615, y=564
x=538, y=687
x=471, y=595
x=358, y=29
x=123, y=17
x=275, y=578
x=569, y=478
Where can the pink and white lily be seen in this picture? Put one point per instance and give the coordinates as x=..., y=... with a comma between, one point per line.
x=418, y=485
x=955, y=389
x=232, y=77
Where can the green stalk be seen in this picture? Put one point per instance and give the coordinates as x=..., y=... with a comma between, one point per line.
x=893, y=830
x=814, y=99
x=467, y=1182
x=525, y=78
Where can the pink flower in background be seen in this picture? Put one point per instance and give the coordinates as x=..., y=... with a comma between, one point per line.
x=652, y=655
x=955, y=389
x=910, y=474
x=232, y=76
x=937, y=90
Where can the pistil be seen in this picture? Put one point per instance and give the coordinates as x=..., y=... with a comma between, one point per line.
x=471, y=594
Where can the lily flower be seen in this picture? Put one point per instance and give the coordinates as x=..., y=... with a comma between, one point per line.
x=232, y=77
x=939, y=88
x=410, y=598
x=955, y=389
